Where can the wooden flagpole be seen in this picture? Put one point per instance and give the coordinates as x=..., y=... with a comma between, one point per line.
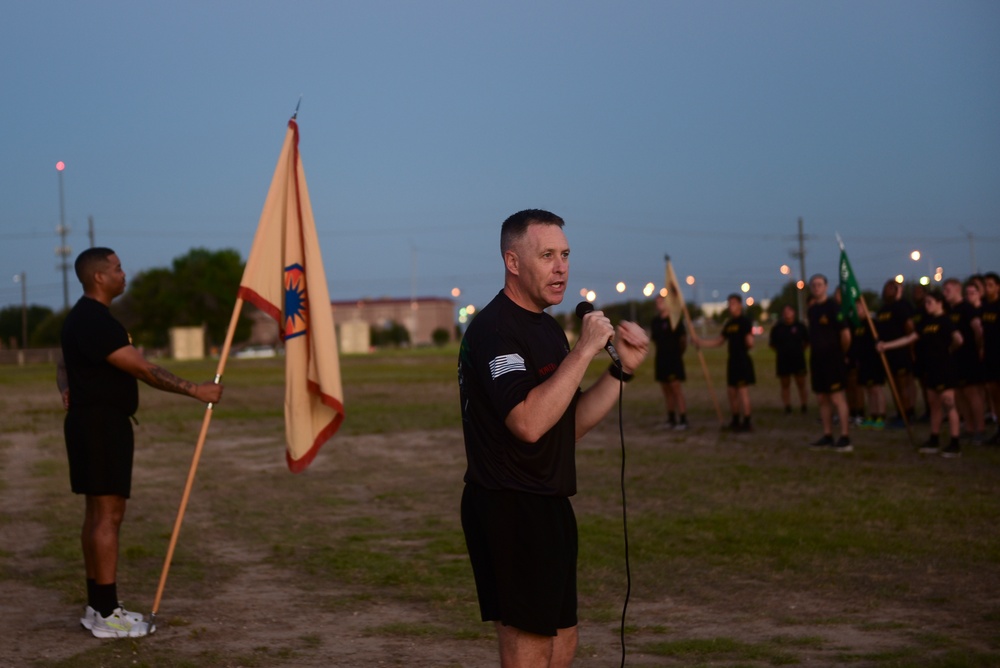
x=194, y=466
x=888, y=372
x=701, y=355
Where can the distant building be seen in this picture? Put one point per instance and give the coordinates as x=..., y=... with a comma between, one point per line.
x=421, y=317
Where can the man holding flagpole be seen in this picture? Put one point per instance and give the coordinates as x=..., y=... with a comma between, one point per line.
x=522, y=413
x=97, y=380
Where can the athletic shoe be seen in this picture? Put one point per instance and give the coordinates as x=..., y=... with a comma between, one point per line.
x=843, y=444
x=667, y=425
x=788, y=410
x=822, y=443
x=995, y=439
x=118, y=625
x=681, y=426
x=952, y=450
x=931, y=447
x=89, y=615
x=805, y=409
x=979, y=438
x=895, y=423
x=857, y=420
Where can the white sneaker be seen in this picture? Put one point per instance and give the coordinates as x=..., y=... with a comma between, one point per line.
x=118, y=625
x=89, y=615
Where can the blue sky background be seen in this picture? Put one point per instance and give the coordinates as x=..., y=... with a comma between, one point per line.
x=699, y=129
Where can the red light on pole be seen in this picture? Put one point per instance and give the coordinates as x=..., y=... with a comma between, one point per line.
x=60, y=166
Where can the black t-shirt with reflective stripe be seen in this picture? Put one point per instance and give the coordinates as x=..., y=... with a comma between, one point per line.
x=506, y=352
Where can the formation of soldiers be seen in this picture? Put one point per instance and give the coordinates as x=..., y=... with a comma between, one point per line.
x=940, y=349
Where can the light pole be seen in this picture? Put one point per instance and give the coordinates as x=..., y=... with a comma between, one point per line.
x=63, y=251
x=22, y=278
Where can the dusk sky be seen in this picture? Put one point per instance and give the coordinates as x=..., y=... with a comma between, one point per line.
x=702, y=130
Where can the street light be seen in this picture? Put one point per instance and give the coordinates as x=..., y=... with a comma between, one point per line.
x=785, y=270
x=689, y=280
x=620, y=287
x=745, y=287
x=456, y=292
x=591, y=296
x=915, y=256
x=648, y=290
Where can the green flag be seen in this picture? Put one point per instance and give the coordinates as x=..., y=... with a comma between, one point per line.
x=849, y=291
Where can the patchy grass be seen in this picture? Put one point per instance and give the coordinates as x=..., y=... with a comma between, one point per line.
x=748, y=550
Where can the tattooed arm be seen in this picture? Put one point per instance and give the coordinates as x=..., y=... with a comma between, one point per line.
x=131, y=361
x=62, y=381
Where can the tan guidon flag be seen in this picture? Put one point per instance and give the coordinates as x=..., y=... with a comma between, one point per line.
x=675, y=301
x=284, y=277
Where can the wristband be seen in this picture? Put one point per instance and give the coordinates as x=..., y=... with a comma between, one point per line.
x=619, y=374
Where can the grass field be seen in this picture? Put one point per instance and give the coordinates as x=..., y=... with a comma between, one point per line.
x=744, y=550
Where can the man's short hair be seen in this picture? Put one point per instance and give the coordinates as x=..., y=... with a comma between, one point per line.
x=91, y=261
x=514, y=228
x=952, y=281
x=820, y=276
x=935, y=295
x=991, y=276
x=734, y=297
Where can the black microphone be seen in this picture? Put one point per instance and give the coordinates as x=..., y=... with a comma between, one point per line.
x=582, y=309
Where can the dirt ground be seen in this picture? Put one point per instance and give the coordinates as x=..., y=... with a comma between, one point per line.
x=277, y=619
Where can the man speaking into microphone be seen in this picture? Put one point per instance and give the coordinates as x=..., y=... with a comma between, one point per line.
x=522, y=413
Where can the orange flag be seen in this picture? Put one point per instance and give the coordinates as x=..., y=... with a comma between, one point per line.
x=284, y=277
x=675, y=301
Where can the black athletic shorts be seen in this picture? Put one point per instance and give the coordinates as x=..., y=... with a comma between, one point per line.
x=871, y=373
x=900, y=360
x=969, y=369
x=828, y=373
x=790, y=365
x=670, y=368
x=523, y=550
x=100, y=448
x=740, y=372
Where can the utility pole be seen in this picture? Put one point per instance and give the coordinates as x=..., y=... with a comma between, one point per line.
x=800, y=254
x=63, y=251
x=22, y=278
x=972, y=252
x=90, y=230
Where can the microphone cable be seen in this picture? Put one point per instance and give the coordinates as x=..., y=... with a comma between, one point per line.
x=628, y=570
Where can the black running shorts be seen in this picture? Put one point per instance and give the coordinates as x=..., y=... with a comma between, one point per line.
x=523, y=550
x=100, y=450
x=828, y=373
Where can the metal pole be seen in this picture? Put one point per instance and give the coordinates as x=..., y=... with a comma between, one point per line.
x=63, y=251
x=24, y=310
x=90, y=230
x=802, y=272
x=972, y=252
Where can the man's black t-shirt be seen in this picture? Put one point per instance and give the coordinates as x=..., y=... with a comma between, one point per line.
x=961, y=315
x=735, y=330
x=934, y=341
x=90, y=333
x=825, y=326
x=506, y=352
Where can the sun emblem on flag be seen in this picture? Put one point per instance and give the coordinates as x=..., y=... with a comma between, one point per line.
x=296, y=305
